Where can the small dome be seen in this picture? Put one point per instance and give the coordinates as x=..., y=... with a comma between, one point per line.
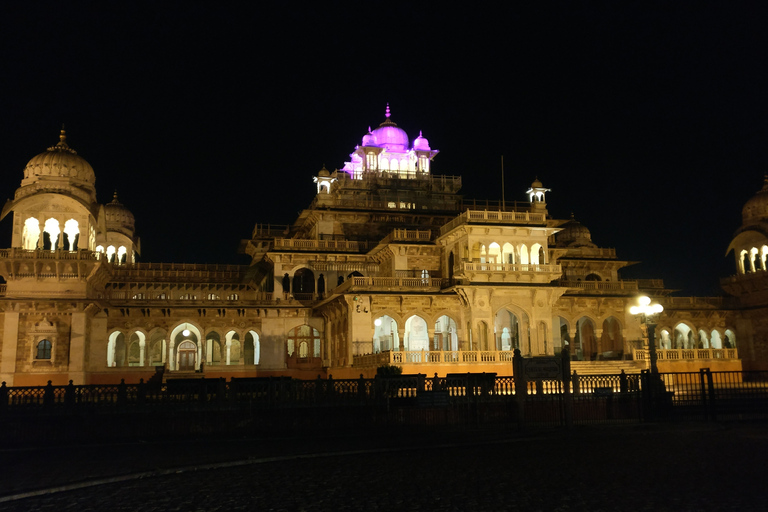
x=118, y=217
x=756, y=209
x=389, y=136
x=60, y=161
x=324, y=172
x=536, y=184
x=421, y=143
x=369, y=139
x=574, y=234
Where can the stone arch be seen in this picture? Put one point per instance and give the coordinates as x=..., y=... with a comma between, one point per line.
x=181, y=332
x=116, y=349
x=71, y=235
x=30, y=236
x=215, y=348
x=51, y=232
x=665, y=339
x=136, y=347
x=508, y=253
x=157, y=347
x=561, y=333
x=416, y=335
x=523, y=251
x=507, y=328
x=303, y=342
x=303, y=281
x=729, y=340
x=683, y=335
x=233, y=347
x=446, y=336
x=253, y=347
x=385, y=333
x=611, y=339
x=703, y=339
x=536, y=254
x=584, y=342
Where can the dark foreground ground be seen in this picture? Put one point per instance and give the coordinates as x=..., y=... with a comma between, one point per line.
x=659, y=467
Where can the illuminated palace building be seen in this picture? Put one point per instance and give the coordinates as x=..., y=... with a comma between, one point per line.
x=388, y=264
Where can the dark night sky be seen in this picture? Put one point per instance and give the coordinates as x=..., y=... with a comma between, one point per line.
x=647, y=123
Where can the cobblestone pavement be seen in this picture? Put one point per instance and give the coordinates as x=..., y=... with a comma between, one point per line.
x=699, y=467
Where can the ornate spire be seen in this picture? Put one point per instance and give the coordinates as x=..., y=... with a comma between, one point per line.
x=62, y=144
x=387, y=113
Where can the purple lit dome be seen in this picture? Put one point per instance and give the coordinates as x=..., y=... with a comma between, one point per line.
x=421, y=143
x=389, y=136
x=369, y=139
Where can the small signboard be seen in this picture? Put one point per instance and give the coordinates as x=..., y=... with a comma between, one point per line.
x=543, y=368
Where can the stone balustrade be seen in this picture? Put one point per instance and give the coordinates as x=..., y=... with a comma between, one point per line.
x=686, y=354
x=398, y=357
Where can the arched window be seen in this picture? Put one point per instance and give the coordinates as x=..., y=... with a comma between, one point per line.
x=121, y=255
x=51, y=234
x=385, y=336
x=44, y=349
x=303, y=342
x=111, y=254
x=31, y=234
x=72, y=234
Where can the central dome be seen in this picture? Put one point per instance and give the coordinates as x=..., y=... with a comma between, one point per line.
x=60, y=161
x=389, y=136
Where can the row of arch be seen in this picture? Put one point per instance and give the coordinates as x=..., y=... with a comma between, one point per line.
x=117, y=256
x=509, y=253
x=682, y=336
x=53, y=237
x=753, y=260
x=186, y=349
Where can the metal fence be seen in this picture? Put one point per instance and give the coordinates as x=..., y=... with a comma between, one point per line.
x=280, y=403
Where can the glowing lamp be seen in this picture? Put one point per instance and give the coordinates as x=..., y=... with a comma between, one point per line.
x=377, y=322
x=185, y=332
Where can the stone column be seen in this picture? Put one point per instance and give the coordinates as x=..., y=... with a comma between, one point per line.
x=77, y=343
x=10, y=344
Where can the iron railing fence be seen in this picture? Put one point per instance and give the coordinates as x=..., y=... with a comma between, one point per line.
x=593, y=398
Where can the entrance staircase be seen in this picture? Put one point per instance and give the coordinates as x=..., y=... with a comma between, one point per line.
x=606, y=367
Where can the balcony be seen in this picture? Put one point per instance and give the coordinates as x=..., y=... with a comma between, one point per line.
x=397, y=357
x=495, y=217
x=687, y=354
x=509, y=272
x=391, y=284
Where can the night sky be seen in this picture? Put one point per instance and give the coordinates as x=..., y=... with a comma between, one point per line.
x=649, y=124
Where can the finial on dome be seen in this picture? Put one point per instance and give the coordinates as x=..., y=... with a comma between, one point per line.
x=63, y=134
x=388, y=113
x=114, y=197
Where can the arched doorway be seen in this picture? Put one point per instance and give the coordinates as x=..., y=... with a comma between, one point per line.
x=187, y=354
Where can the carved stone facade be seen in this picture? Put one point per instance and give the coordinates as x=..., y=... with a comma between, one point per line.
x=388, y=264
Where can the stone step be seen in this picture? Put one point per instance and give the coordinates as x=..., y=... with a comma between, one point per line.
x=606, y=367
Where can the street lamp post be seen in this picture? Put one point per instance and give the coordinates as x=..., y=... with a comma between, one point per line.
x=648, y=312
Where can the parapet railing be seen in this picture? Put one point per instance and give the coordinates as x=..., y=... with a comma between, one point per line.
x=390, y=283
x=510, y=267
x=494, y=217
x=686, y=354
x=43, y=254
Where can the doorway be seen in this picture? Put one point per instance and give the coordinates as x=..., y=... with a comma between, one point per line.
x=187, y=356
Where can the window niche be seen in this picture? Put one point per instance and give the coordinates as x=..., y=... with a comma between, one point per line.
x=43, y=337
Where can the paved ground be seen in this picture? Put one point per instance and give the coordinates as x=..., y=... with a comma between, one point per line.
x=677, y=467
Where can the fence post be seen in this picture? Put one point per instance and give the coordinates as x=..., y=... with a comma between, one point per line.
x=576, y=389
x=122, y=393
x=703, y=393
x=623, y=382
x=69, y=396
x=3, y=397
x=48, y=397
x=711, y=393
x=361, y=388
x=565, y=355
x=141, y=392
